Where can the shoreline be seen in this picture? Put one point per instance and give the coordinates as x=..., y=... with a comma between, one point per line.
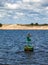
x=22, y=27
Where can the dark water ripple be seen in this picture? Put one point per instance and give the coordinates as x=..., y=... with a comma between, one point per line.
x=12, y=45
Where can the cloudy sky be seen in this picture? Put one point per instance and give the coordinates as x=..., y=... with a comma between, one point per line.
x=23, y=11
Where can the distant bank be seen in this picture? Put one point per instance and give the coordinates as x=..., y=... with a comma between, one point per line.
x=23, y=27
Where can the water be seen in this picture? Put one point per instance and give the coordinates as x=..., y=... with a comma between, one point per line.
x=12, y=44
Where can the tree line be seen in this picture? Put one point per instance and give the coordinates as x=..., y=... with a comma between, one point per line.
x=38, y=24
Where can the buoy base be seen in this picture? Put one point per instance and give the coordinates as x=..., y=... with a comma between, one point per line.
x=28, y=48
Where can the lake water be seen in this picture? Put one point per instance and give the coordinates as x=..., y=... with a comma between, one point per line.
x=12, y=44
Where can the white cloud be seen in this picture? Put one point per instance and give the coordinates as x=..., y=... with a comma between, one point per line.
x=26, y=0
x=46, y=8
x=45, y=19
x=18, y=13
x=15, y=17
x=9, y=15
x=35, y=0
x=12, y=6
x=0, y=15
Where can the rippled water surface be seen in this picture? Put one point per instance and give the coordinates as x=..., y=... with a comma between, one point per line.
x=12, y=44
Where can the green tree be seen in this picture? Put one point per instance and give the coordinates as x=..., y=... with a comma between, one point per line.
x=36, y=24
x=31, y=24
x=0, y=25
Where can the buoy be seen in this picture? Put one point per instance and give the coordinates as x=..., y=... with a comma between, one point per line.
x=28, y=48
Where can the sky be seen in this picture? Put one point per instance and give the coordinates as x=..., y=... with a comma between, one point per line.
x=23, y=11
